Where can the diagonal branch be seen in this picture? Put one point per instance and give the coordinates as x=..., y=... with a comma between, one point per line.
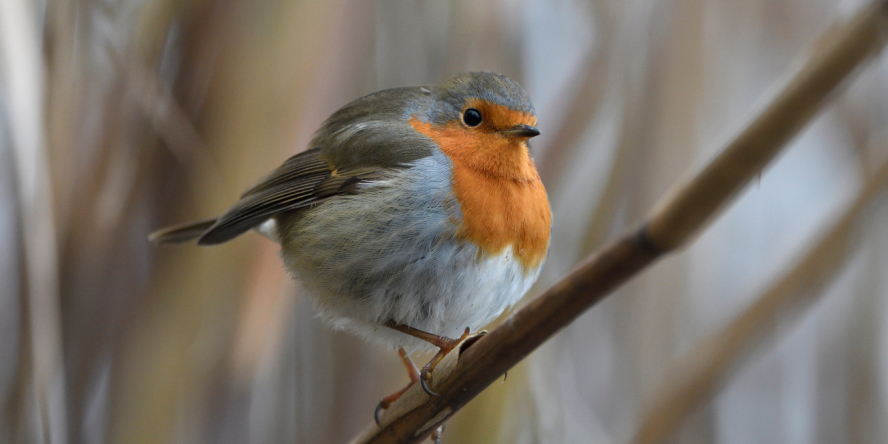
x=672, y=223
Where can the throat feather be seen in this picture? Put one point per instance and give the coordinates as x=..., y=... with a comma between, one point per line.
x=502, y=199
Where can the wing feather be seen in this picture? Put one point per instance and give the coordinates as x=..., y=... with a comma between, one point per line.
x=303, y=164
x=302, y=180
x=288, y=187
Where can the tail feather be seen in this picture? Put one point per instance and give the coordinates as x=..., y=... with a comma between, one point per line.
x=179, y=234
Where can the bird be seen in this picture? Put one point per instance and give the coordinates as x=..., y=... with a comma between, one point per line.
x=415, y=216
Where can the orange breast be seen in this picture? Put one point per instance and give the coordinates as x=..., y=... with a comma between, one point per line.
x=502, y=198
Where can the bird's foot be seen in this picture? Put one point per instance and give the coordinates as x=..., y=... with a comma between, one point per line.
x=386, y=402
x=445, y=346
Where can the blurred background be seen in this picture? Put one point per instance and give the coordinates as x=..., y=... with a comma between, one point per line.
x=118, y=117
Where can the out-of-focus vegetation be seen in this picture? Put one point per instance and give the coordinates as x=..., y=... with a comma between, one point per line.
x=118, y=118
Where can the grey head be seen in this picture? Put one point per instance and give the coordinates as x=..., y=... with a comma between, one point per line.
x=453, y=94
x=375, y=129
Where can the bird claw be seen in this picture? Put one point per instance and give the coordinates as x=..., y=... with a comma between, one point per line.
x=425, y=387
x=445, y=346
x=377, y=413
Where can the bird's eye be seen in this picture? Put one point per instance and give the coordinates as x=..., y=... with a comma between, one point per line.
x=472, y=117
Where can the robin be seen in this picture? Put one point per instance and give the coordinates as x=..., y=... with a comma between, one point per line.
x=418, y=210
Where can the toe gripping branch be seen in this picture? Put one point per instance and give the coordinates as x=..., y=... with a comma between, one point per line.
x=445, y=346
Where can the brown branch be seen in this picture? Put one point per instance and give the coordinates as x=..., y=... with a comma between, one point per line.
x=673, y=222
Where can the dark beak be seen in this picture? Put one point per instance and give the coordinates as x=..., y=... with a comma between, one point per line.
x=521, y=131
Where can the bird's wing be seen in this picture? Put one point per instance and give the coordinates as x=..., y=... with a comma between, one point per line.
x=302, y=180
x=358, y=143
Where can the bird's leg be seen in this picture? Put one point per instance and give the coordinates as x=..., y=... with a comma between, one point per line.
x=445, y=345
x=412, y=372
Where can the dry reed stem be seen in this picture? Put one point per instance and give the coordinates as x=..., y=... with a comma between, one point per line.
x=24, y=73
x=673, y=222
x=170, y=371
x=711, y=363
x=586, y=94
x=681, y=215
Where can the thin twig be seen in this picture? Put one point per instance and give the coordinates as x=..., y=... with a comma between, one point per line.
x=672, y=223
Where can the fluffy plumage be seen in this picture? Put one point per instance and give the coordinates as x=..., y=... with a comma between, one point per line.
x=391, y=252
x=400, y=211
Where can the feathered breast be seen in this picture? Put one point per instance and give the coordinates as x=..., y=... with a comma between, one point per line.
x=502, y=198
